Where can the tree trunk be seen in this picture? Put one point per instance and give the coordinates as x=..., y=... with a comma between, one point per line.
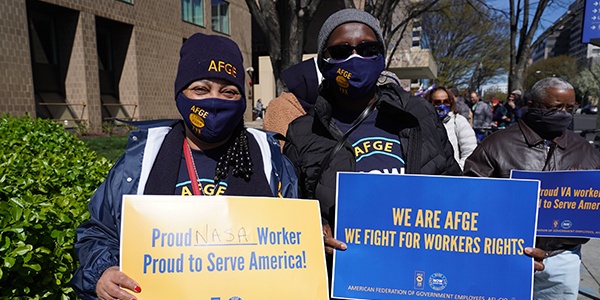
x=283, y=24
x=521, y=48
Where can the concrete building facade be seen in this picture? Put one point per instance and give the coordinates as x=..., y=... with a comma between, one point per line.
x=85, y=62
x=564, y=38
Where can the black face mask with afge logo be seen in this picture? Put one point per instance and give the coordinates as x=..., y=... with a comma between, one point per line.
x=548, y=124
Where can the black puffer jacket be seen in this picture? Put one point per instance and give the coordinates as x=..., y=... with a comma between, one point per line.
x=311, y=137
x=519, y=148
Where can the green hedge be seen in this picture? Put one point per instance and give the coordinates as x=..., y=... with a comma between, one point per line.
x=46, y=178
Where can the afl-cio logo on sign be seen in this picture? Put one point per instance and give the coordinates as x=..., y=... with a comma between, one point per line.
x=438, y=281
x=566, y=224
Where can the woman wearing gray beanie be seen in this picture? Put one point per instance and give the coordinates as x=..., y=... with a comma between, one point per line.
x=207, y=152
x=353, y=113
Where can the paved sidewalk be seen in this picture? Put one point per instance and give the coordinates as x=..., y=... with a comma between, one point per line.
x=258, y=124
x=589, y=288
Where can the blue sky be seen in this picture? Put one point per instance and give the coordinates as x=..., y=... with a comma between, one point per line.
x=551, y=14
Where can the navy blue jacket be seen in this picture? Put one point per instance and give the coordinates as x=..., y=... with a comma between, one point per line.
x=150, y=150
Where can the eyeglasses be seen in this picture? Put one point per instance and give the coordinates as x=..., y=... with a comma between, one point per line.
x=365, y=49
x=439, y=102
x=562, y=106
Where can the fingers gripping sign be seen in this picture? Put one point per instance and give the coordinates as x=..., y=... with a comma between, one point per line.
x=330, y=242
x=538, y=257
x=112, y=285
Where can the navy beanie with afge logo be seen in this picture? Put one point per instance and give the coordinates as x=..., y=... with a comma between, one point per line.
x=209, y=56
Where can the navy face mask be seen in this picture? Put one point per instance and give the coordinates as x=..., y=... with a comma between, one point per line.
x=211, y=120
x=442, y=110
x=548, y=124
x=354, y=77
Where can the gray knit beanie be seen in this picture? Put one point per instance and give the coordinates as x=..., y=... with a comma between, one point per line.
x=343, y=16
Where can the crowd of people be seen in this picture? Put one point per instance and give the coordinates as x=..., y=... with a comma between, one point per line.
x=493, y=114
x=334, y=101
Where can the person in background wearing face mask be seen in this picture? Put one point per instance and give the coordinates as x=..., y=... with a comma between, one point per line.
x=352, y=115
x=209, y=152
x=302, y=83
x=541, y=141
x=460, y=133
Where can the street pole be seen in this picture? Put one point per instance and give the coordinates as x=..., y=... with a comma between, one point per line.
x=250, y=71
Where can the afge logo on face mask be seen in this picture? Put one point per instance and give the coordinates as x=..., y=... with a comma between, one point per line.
x=342, y=78
x=197, y=116
x=196, y=120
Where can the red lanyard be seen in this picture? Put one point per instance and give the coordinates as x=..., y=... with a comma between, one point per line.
x=191, y=167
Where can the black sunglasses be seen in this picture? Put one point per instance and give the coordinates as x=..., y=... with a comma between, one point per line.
x=365, y=49
x=439, y=102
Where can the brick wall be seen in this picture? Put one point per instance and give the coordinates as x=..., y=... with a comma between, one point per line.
x=150, y=60
x=16, y=84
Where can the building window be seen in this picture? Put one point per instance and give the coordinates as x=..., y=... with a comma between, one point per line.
x=43, y=39
x=103, y=44
x=193, y=11
x=220, y=16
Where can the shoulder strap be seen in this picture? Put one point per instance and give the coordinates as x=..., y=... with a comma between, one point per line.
x=338, y=146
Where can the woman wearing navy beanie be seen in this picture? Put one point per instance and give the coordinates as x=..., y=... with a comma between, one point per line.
x=207, y=152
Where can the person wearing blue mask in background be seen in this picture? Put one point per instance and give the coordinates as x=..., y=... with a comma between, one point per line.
x=461, y=135
x=302, y=84
x=352, y=114
x=208, y=152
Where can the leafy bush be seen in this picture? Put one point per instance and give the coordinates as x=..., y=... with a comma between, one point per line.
x=46, y=178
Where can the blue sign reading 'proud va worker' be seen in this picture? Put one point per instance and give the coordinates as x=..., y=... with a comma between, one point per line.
x=430, y=237
x=569, y=204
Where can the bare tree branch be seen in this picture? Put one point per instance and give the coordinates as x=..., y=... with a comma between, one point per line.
x=521, y=37
x=467, y=50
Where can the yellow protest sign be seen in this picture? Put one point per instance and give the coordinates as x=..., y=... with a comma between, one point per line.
x=223, y=247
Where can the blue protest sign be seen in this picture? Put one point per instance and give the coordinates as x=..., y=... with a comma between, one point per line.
x=569, y=204
x=590, y=30
x=414, y=236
